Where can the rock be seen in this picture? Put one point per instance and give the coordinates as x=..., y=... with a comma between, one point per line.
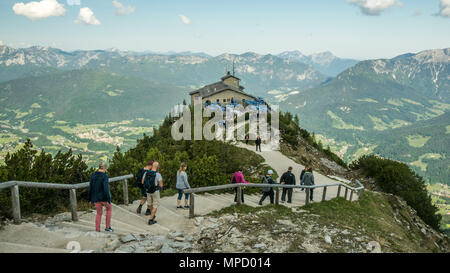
x=374, y=247
x=127, y=238
x=179, y=239
x=254, y=222
x=113, y=244
x=167, y=249
x=125, y=249
x=328, y=239
x=175, y=234
x=358, y=239
x=261, y=245
x=345, y=232
x=424, y=231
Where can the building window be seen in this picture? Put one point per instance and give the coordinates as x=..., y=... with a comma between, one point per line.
x=224, y=100
x=218, y=100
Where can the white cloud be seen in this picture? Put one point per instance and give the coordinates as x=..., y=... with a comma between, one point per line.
x=87, y=17
x=374, y=7
x=1, y=42
x=445, y=8
x=185, y=20
x=73, y=2
x=39, y=10
x=123, y=10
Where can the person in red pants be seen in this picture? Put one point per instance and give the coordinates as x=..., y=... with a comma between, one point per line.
x=100, y=196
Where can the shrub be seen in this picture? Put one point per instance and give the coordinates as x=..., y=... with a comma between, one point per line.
x=398, y=179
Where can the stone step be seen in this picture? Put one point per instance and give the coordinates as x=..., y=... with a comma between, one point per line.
x=7, y=247
x=115, y=222
x=128, y=213
x=89, y=226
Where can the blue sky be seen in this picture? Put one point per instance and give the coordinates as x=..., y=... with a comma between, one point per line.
x=348, y=28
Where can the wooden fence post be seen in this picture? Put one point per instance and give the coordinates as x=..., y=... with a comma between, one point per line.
x=351, y=195
x=346, y=191
x=324, y=193
x=125, y=192
x=307, y=196
x=239, y=195
x=73, y=204
x=191, y=205
x=339, y=191
x=15, y=200
x=277, y=196
x=361, y=192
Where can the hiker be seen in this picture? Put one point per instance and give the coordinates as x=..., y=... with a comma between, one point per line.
x=258, y=143
x=288, y=178
x=269, y=190
x=238, y=177
x=247, y=137
x=153, y=183
x=140, y=185
x=301, y=176
x=182, y=184
x=99, y=195
x=308, y=179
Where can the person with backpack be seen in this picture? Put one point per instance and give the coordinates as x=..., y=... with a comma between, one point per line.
x=140, y=185
x=308, y=179
x=153, y=183
x=100, y=195
x=238, y=177
x=247, y=137
x=258, y=143
x=288, y=178
x=269, y=190
x=182, y=184
x=301, y=176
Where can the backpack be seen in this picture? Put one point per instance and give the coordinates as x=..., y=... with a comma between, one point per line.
x=149, y=181
x=138, y=177
x=265, y=181
x=233, y=180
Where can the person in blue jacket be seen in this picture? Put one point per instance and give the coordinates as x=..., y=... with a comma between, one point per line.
x=100, y=195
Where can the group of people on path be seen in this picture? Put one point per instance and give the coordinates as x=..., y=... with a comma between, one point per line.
x=150, y=182
x=288, y=178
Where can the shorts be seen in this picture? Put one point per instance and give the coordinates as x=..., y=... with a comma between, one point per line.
x=143, y=192
x=153, y=199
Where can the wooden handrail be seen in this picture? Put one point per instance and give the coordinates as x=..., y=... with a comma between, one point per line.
x=15, y=199
x=276, y=186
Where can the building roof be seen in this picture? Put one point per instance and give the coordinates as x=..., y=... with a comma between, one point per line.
x=228, y=75
x=218, y=87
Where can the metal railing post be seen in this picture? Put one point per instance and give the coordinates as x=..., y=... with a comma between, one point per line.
x=239, y=195
x=324, y=193
x=345, y=194
x=351, y=195
x=361, y=191
x=125, y=192
x=277, y=196
x=191, y=205
x=307, y=196
x=73, y=204
x=15, y=201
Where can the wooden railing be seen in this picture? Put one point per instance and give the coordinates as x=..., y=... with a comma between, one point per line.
x=191, y=192
x=72, y=188
x=15, y=198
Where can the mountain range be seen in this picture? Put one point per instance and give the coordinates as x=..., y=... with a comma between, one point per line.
x=324, y=62
x=377, y=96
x=64, y=99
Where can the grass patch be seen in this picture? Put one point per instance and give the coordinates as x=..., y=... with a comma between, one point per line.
x=417, y=141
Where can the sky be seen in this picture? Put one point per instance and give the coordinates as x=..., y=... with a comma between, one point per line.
x=359, y=29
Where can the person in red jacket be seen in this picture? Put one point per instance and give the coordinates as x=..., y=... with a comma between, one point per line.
x=238, y=177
